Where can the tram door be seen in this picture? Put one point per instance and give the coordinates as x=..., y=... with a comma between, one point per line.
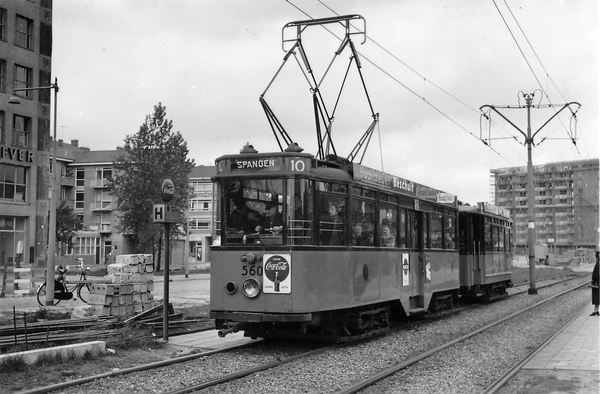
x=418, y=256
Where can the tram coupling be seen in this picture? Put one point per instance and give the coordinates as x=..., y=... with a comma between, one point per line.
x=231, y=330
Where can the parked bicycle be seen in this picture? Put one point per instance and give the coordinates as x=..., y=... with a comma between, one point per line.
x=63, y=290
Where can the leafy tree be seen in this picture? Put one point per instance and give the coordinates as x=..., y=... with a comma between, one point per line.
x=153, y=154
x=66, y=222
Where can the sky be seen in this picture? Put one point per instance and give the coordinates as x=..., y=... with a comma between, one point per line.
x=428, y=67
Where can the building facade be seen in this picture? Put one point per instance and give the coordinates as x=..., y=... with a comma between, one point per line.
x=97, y=239
x=200, y=213
x=566, y=204
x=25, y=62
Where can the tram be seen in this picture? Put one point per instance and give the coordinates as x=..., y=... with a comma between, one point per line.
x=321, y=246
x=329, y=249
x=485, y=242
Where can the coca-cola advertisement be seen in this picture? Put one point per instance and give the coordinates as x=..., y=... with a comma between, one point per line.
x=277, y=274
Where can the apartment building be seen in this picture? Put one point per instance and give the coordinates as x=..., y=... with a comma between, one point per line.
x=25, y=62
x=200, y=213
x=566, y=204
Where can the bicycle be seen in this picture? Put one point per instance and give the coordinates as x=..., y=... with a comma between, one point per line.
x=62, y=292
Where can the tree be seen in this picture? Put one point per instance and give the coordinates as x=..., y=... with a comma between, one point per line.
x=153, y=154
x=66, y=223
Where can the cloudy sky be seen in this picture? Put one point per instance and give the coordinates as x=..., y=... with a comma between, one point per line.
x=428, y=65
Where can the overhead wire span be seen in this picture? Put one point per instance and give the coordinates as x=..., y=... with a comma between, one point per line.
x=572, y=136
x=405, y=86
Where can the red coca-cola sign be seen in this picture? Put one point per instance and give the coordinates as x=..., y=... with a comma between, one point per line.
x=277, y=268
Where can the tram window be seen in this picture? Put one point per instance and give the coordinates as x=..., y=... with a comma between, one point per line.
x=332, y=187
x=299, y=224
x=363, y=222
x=388, y=226
x=489, y=240
x=426, y=237
x=450, y=233
x=332, y=226
x=370, y=193
x=436, y=230
x=253, y=207
x=413, y=226
x=402, y=228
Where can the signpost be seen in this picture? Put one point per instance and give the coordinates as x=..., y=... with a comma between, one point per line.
x=166, y=213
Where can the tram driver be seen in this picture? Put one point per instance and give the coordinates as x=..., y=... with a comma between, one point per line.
x=272, y=220
x=243, y=219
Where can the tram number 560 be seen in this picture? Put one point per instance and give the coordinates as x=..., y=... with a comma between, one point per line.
x=298, y=165
x=254, y=270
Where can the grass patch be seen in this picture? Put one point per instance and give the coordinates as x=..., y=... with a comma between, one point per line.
x=13, y=364
x=132, y=338
x=521, y=274
x=548, y=384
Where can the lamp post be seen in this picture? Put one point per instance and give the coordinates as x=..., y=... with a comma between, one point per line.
x=50, y=263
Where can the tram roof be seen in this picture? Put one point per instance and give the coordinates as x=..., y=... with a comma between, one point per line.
x=257, y=164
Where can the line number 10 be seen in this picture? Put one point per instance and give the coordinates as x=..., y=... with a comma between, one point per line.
x=298, y=166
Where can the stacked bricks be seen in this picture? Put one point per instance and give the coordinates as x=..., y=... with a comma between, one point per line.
x=131, y=289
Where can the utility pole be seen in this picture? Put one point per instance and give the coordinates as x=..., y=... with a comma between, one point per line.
x=529, y=141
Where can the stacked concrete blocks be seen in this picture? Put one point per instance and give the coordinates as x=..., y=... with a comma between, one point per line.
x=131, y=289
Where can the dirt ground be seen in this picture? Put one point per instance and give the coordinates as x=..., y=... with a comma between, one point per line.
x=115, y=359
x=553, y=382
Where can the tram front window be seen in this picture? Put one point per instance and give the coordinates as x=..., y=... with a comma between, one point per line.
x=254, y=211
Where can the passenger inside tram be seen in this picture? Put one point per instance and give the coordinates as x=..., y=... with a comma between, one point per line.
x=386, y=237
x=332, y=226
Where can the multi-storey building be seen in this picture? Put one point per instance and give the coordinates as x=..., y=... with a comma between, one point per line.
x=566, y=204
x=200, y=213
x=95, y=206
x=25, y=62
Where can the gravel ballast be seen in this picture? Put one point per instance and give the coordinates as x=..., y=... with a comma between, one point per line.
x=469, y=366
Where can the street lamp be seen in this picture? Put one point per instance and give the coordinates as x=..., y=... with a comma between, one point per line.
x=50, y=264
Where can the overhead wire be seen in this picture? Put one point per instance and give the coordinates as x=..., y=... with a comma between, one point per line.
x=402, y=84
x=547, y=74
x=573, y=139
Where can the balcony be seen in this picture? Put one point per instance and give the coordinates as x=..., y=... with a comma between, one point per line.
x=101, y=206
x=99, y=183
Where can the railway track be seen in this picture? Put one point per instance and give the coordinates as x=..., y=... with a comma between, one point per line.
x=511, y=372
x=364, y=383
x=251, y=372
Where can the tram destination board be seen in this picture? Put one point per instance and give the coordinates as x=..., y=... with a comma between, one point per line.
x=272, y=163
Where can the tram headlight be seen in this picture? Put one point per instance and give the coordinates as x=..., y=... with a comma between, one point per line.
x=230, y=287
x=251, y=288
x=249, y=258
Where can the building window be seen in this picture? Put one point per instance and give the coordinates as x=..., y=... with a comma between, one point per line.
x=85, y=246
x=79, y=225
x=23, y=79
x=2, y=24
x=102, y=220
x=23, y=32
x=201, y=187
x=198, y=205
x=2, y=117
x=103, y=199
x=21, y=131
x=79, y=200
x=103, y=173
x=2, y=75
x=13, y=183
x=13, y=240
x=198, y=224
x=80, y=177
